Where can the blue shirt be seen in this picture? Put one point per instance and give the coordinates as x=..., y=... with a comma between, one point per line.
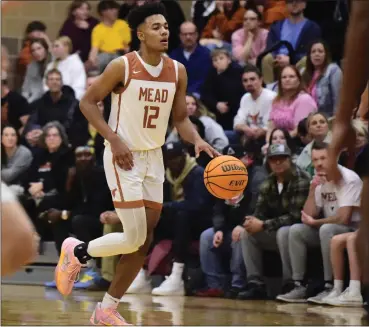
x=290, y=32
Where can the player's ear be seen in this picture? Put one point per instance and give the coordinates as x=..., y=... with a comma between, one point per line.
x=140, y=35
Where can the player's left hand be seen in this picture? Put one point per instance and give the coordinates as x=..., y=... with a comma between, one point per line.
x=201, y=145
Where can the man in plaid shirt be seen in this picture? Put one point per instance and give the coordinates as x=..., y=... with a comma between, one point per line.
x=281, y=199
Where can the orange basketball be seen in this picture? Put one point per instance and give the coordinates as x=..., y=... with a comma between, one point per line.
x=225, y=177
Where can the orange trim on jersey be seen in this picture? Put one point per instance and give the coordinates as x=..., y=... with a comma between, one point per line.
x=153, y=205
x=128, y=204
x=118, y=113
x=118, y=182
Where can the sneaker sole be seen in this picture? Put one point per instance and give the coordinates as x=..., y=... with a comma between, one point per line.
x=316, y=301
x=179, y=293
x=290, y=300
x=353, y=304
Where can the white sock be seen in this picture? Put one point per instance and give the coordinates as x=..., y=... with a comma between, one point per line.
x=355, y=287
x=338, y=285
x=177, y=269
x=109, y=302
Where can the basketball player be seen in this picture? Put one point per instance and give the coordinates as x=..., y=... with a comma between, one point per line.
x=145, y=86
x=355, y=77
x=19, y=241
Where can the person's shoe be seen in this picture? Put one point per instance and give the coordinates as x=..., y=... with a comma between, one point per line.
x=296, y=295
x=68, y=267
x=288, y=286
x=210, y=292
x=173, y=285
x=332, y=295
x=254, y=291
x=318, y=299
x=346, y=299
x=51, y=284
x=107, y=317
x=233, y=292
x=141, y=284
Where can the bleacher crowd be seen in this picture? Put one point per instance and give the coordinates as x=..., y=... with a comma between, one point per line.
x=263, y=87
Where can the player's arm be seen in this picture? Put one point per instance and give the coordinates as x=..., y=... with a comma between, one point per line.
x=180, y=117
x=104, y=84
x=356, y=63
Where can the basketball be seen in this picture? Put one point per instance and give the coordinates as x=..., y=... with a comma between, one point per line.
x=225, y=177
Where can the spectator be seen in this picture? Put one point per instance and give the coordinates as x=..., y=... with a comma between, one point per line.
x=34, y=30
x=183, y=218
x=281, y=198
x=70, y=66
x=193, y=56
x=340, y=206
x=248, y=42
x=356, y=161
x=57, y=104
x=292, y=103
x=317, y=125
x=15, y=158
x=201, y=13
x=322, y=78
x=111, y=37
x=49, y=178
x=227, y=18
x=78, y=27
x=273, y=11
x=15, y=109
x=32, y=88
x=298, y=31
x=303, y=136
x=280, y=136
x=222, y=89
x=352, y=295
x=221, y=241
x=213, y=132
x=253, y=114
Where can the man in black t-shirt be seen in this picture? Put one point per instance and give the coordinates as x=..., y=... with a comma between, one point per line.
x=15, y=109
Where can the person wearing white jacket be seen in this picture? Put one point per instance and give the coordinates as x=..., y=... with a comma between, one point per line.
x=70, y=65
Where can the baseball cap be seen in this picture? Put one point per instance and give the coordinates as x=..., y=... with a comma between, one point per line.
x=173, y=149
x=234, y=150
x=278, y=150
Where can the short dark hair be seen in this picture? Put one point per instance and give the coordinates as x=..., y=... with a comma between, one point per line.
x=252, y=69
x=138, y=14
x=54, y=71
x=302, y=129
x=319, y=145
x=107, y=4
x=36, y=25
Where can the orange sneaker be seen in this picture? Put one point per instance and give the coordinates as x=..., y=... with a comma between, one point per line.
x=68, y=267
x=107, y=317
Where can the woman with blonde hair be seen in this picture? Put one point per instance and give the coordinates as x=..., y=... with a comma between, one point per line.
x=70, y=65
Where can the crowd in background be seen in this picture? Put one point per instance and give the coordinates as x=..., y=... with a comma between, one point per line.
x=263, y=85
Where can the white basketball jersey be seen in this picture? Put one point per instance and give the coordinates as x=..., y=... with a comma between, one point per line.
x=140, y=113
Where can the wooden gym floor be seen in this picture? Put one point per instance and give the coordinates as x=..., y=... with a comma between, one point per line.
x=35, y=305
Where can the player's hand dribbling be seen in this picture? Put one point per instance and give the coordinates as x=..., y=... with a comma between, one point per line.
x=201, y=145
x=122, y=155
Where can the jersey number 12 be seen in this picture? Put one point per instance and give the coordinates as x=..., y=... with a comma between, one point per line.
x=151, y=113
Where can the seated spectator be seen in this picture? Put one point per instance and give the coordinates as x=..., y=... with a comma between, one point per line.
x=318, y=127
x=292, y=103
x=281, y=198
x=322, y=78
x=183, y=218
x=15, y=109
x=248, y=42
x=193, y=56
x=34, y=30
x=15, y=158
x=110, y=38
x=298, y=31
x=356, y=161
x=352, y=295
x=303, y=136
x=226, y=19
x=255, y=106
x=213, y=132
x=33, y=88
x=78, y=27
x=340, y=207
x=201, y=12
x=272, y=10
x=69, y=65
x=221, y=242
x=49, y=177
x=280, y=136
x=58, y=103
x=222, y=89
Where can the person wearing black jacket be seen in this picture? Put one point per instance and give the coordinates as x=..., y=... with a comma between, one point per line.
x=219, y=245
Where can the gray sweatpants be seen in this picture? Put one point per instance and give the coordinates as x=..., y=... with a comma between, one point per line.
x=252, y=250
x=302, y=236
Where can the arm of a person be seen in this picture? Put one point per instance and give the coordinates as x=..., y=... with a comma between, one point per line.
x=20, y=165
x=237, y=46
x=127, y=36
x=262, y=201
x=180, y=117
x=95, y=42
x=79, y=79
x=218, y=216
x=111, y=77
x=342, y=216
x=313, y=202
x=239, y=121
